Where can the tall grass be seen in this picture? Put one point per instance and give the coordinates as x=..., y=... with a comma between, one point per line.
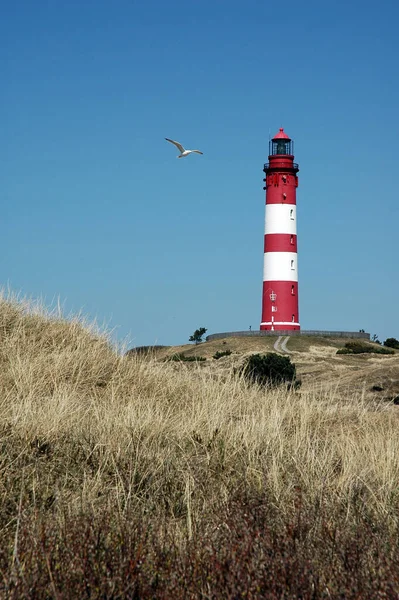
x=124, y=475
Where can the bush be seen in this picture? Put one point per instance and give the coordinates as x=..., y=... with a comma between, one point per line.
x=144, y=350
x=181, y=357
x=362, y=348
x=197, y=335
x=219, y=354
x=392, y=343
x=358, y=347
x=376, y=388
x=270, y=370
x=383, y=351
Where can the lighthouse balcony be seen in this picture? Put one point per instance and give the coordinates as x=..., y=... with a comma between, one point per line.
x=277, y=165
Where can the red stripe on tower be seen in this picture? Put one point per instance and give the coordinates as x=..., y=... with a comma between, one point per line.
x=277, y=242
x=280, y=273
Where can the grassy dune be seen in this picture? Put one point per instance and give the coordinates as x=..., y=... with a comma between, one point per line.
x=129, y=477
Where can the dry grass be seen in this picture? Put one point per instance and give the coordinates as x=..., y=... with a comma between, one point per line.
x=88, y=431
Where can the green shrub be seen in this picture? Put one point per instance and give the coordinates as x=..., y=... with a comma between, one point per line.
x=143, y=350
x=362, y=348
x=219, y=354
x=197, y=335
x=181, y=357
x=270, y=370
x=358, y=347
x=392, y=343
x=383, y=351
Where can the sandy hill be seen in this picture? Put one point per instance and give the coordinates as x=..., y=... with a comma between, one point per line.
x=316, y=360
x=125, y=477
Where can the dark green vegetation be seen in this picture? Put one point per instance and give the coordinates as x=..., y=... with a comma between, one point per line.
x=392, y=343
x=198, y=335
x=269, y=369
x=181, y=357
x=221, y=353
x=146, y=350
x=362, y=348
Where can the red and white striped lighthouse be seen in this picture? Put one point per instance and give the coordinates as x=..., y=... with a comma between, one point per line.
x=280, y=273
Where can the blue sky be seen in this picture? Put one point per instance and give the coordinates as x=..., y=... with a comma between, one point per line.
x=97, y=210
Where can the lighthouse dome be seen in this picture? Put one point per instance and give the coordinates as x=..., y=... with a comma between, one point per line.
x=281, y=135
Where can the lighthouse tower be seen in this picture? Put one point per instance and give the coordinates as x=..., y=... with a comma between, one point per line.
x=280, y=273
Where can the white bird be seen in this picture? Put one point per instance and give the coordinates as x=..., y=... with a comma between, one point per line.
x=183, y=151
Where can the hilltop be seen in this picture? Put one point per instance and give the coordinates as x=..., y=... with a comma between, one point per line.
x=316, y=359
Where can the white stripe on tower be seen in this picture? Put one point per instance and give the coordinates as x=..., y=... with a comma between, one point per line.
x=280, y=266
x=280, y=218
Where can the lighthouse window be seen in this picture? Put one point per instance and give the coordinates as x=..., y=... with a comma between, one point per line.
x=292, y=214
x=293, y=318
x=292, y=239
x=293, y=290
x=292, y=265
x=281, y=146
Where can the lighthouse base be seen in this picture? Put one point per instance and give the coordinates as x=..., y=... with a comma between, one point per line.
x=303, y=332
x=279, y=326
x=280, y=306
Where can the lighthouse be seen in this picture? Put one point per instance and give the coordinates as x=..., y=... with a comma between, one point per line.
x=280, y=272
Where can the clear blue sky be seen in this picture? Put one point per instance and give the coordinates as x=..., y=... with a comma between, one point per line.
x=97, y=210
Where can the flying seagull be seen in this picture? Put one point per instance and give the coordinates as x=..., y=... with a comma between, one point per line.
x=182, y=151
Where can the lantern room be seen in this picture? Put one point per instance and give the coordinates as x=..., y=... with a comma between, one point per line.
x=281, y=144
